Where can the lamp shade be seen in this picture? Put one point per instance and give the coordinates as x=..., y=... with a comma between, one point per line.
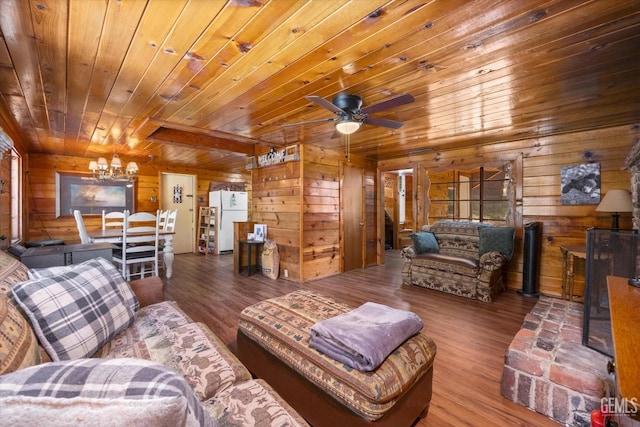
x=616, y=201
x=115, y=162
x=347, y=126
x=132, y=167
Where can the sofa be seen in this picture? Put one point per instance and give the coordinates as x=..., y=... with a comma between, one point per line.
x=459, y=257
x=81, y=346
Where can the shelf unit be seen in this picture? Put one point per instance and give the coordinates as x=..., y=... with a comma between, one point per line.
x=207, y=220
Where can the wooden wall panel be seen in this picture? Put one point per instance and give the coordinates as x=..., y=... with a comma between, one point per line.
x=300, y=203
x=374, y=217
x=322, y=233
x=276, y=199
x=5, y=200
x=321, y=214
x=542, y=160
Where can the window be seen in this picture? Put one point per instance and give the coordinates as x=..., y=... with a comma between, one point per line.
x=479, y=194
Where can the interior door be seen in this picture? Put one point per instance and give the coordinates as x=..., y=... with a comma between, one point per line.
x=177, y=193
x=353, y=224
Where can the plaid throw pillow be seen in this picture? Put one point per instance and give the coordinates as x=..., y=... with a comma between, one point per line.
x=90, y=392
x=76, y=313
x=127, y=294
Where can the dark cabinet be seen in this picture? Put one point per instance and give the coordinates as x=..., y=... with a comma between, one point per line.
x=52, y=256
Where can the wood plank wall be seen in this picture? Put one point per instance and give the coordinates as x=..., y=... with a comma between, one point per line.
x=276, y=200
x=374, y=216
x=40, y=193
x=300, y=203
x=321, y=214
x=539, y=188
x=5, y=200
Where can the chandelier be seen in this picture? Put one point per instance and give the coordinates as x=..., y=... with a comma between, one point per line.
x=104, y=171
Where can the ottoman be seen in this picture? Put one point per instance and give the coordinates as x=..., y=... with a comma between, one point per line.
x=273, y=338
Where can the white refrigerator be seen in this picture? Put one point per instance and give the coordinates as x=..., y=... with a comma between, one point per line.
x=232, y=207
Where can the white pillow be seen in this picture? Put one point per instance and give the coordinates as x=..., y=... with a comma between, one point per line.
x=76, y=313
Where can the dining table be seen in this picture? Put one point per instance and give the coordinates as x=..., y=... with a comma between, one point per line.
x=114, y=235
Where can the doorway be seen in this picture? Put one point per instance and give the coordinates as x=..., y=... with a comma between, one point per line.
x=399, y=208
x=176, y=192
x=353, y=224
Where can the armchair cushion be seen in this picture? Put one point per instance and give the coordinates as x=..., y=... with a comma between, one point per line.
x=450, y=260
x=149, y=290
x=424, y=242
x=18, y=344
x=12, y=271
x=76, y=313
x=498, y=239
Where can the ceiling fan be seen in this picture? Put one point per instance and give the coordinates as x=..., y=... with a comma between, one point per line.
x=351, y=115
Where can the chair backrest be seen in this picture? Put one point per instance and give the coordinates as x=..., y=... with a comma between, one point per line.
x=140, y=222
x=84, y=236
x=162, y=218
x=137, y=248
x=170, y=223
x=112, y=219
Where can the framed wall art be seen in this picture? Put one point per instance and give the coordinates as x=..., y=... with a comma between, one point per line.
x=91, y=196
x=260, y=232
x=580, y=184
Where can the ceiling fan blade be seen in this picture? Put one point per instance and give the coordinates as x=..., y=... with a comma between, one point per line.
x=376, y=121
x=394, y=101
x=325, y=104
x=286, y=125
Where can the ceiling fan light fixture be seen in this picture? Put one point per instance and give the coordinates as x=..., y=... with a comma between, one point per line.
x=347, y=125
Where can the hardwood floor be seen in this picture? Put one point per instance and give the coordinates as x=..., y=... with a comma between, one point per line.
x=471, y=336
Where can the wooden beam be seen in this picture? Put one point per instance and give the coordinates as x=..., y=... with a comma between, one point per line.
x=202, y=141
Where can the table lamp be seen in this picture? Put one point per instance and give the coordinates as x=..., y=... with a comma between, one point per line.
x=616, y=201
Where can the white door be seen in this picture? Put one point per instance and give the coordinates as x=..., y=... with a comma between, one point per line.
x=177, y=193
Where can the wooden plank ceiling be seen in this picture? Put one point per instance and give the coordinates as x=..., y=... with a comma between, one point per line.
x=204, y=83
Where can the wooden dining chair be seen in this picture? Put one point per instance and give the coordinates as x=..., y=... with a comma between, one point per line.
x=169, y=225
x=84, y=236
x=170, y=221
x=139, y=245
x=162, y=218
x=113, y=219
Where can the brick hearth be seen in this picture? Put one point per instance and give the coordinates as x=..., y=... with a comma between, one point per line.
x=548, y=370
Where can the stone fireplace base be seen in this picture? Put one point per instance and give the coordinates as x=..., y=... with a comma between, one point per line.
x=548, y=370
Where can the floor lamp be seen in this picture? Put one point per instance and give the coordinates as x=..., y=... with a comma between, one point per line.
x=616, y=201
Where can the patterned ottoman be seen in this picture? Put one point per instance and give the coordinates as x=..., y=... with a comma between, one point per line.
x=273, y=337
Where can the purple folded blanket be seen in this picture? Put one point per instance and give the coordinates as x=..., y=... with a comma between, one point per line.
x=364, y=337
